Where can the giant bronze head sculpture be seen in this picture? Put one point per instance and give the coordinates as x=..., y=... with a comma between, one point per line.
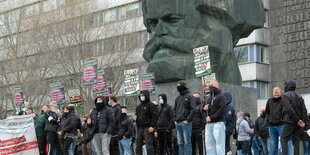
x=179, y=26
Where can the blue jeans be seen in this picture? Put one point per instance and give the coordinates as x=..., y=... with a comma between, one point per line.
x=306, y=147
x=245, y=147
x=184, y=133
x=215, y=138
x=260, y=146
x=124, y=146
x=275, y=132
x=73, y=145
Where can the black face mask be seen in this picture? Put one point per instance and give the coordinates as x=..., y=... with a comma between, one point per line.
x=181, y=88
x=65, y=114
x=99, y=106
x=276, y=99
x=124, y=115
x=212, y=89
x=198, y=101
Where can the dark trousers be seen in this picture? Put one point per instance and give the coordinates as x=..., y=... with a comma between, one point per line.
x=86, y=149
x=53, y=143
x=244, y=146
x=144, y=137
x=227, y=142
x=66, y=144
x=114, y=150
x=197, y=141
x=42, y=144
x=164, y=139
x=290, y=131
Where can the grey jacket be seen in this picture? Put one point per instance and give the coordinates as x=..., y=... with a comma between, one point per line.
x=243, y=129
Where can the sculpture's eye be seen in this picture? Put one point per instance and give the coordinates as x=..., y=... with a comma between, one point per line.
x=152, y=22
x=172, y=19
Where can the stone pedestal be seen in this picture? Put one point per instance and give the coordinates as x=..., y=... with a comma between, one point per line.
x=244, y=98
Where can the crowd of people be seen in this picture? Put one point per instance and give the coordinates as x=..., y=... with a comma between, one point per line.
x=196, y=124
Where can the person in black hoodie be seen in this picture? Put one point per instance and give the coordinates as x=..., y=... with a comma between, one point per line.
x=51, y=127
x=215, y=117
x=197, y=127
x=70, y=126
x=273, y=111
x=86, y=137
x=117, y=113
x=295, y=114
x=230, y=121
x=184, y=110
x=146, y=113
x=125, y=133
x=261, y=134
x=164, y=125
x=102, y=125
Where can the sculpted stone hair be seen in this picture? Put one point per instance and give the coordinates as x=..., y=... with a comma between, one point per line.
x=240, y=16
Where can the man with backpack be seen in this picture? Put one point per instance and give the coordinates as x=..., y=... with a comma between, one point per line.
x=230, y=121
x=295, y=114
x=244, y=134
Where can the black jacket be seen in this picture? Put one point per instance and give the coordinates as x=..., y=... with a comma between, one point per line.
x=86, y=129
x=261, y=127
x=51, y=122
x=184, y=107
x=305, y=136
x=165, y=116
x=70, y=124
x=126, y=128
x=117, y=113
x=146, y=112
x=217, y=106
x=294, y=105
x=103, y=120
x=198, y=122
x=230, y=116
x=274, y=111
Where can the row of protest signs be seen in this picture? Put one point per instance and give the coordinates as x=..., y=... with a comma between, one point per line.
x=134, y=84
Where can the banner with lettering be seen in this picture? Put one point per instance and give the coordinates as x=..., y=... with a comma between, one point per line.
x=202, y=61
x=75, y=97
x=57, y=92
x=18, y=136
x=206, y=80
x=100, y=88
x=131, y=82
x=90, y=72
x=148, y=82
x=18, y=97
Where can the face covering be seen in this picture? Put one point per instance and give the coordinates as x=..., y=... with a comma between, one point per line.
x=99, y=105
x=212, y=89
x=110, y=104
x=181, y=88
x=54, y=110
x=198, y=101
x=123, y=115
x=65, y=114
x=161, y=101
x=99, y=102
x=142, y=98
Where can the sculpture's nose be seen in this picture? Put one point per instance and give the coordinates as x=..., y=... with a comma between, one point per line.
x=161, y=29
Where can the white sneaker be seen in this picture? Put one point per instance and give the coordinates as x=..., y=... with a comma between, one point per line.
x=229, y=153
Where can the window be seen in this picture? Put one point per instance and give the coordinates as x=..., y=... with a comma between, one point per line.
x=242, y=53
x=132, y=11
x=109, y=16
x=262, y=54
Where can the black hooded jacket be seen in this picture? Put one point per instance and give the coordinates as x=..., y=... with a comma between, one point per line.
x=274, y=111
x=126, y=128
x=294, y=105
x=198, y=122
x=146, y=112
x=261, y=128
x=117, y=113
x=230, y=116
x=51, y=121
x=217, y=106
x=103, y=120
x=165, y=117
x=70, y=124
x=184, y=107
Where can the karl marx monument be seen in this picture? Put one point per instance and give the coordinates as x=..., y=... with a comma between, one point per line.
x=179, y=26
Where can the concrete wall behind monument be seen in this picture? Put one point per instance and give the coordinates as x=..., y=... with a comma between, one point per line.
x=289, y=22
